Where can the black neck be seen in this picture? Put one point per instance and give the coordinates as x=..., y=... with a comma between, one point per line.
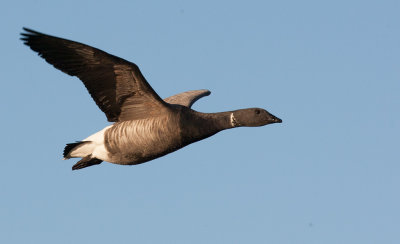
x=202, y=125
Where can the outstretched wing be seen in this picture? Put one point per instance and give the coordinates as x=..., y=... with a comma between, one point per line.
x=187, y=98
x=116, y=85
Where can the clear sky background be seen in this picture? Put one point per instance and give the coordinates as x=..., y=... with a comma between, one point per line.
x=328, y=174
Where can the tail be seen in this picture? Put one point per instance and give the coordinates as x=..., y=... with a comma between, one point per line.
x=78, y=149
x=81, y=149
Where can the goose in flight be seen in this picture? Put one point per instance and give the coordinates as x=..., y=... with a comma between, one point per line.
x=145, y=126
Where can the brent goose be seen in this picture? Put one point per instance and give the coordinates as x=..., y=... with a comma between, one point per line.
x=145, y=126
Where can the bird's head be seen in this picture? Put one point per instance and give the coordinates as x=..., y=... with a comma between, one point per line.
x=252, y=117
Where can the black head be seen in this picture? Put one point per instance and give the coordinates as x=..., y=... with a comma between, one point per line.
x=253, y=117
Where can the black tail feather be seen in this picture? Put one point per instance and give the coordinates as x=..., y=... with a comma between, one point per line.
x=86, y=162
x=68, y=148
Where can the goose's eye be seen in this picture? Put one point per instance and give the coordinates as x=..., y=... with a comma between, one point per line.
x=258, y=111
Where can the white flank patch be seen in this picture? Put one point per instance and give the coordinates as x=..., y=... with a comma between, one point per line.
x=96, y=147
x=98, y=137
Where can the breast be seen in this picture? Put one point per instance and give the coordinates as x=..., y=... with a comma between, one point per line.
x=138, y=141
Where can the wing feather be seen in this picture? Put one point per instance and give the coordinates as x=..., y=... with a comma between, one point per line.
x=116, y=85
x=187, y=98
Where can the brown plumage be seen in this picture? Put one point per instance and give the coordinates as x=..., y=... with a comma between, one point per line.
x=116, y=85
x=146, y=127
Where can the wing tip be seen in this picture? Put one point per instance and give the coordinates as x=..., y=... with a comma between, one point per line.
x=29, y=34
x=206, y=92
x=29, y=31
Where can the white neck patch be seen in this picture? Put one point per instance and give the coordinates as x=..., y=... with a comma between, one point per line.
x=234, y=123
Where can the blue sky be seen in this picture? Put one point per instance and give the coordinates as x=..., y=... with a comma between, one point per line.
x=328, y=174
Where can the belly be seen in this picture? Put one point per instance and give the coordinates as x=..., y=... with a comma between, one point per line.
x=138, y=141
